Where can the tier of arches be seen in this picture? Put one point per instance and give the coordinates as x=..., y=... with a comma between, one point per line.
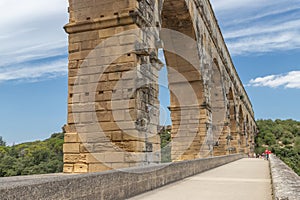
x=228, y=116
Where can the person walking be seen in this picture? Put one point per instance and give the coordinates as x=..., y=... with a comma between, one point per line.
x=267, y=153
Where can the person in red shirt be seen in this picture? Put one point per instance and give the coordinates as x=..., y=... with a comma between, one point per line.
x=267, y=153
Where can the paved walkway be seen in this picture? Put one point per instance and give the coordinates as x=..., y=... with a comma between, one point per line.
x=245, y=179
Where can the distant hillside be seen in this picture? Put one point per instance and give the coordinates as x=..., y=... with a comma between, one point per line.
x=282, y=137
x=37, y=157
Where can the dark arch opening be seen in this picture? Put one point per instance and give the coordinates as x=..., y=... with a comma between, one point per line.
x=232, y=112
x=218, y=109
x=232, y=122
x=241, y=129
x=184, y=115
x=247, y=133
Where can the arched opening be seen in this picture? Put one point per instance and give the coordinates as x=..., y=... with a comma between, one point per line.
x=251, y=138
x=218, y=110
x=247, y=130
x=232, y=123
x=247, y=134
x=165, y=123
x=232, y=112
x=184, y=79
x=241, y=130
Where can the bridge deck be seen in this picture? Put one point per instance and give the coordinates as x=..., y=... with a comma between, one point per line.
x=243, y=179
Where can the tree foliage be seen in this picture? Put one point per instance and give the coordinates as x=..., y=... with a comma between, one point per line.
x=2, y=142
x=37, y=157
x=282, y=137
x=165, y=137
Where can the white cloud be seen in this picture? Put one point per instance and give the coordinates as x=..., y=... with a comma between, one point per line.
x=265, y=29
x=289, y=80
x=259, y=26
x=264, y=43
x=34, y=72
x=31, y=30
x=30, y=53
x=228, y=5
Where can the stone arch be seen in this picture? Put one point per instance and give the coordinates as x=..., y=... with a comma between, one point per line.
x=218, y=109
x=247, y=134
x=241, y=129
x=233, y=121
x=232, y=111
x=251, y=137
x=185, y=117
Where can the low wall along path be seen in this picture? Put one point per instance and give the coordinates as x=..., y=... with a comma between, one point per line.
x=108, y=185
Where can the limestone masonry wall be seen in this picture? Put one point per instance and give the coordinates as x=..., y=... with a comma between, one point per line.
x=113, y=87
x=106, y=185
x=286, y=183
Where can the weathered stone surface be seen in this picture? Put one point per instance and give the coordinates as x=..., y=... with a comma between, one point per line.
x=71, y=138
x=113, y=76
x=286, y=183
x=71, y=148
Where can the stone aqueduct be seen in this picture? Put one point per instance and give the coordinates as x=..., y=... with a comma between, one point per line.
x=113, y=106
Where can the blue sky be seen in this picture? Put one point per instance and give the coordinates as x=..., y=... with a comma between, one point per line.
x=262, y=36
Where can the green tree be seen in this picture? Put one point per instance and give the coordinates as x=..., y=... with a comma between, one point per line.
x=37, y=157
x=269, y=138
x=283, y=138
x=297, y=144
x=165, y=137
x=2, y=142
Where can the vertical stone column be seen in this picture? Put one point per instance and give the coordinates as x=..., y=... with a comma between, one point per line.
x=113, y=109
x=188, y=112
x=234, y=141
x=223, y=144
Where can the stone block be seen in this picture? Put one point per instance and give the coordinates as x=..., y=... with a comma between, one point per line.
x=71, y=138
x=134, y=146
x=99, y=167
x=116, y=136
x=123, y=105
x=104, y=33
x=103, y=147
x=86, y=117
x=73, y=47
x=80, y=168
x=86, y=148
x=74, y=158
x=120, y=165
x=87, y=45
x=128, y=39
x=114, y=157
x=94, y=137
x=118, y=115
x=95, y=157
x=104, y=116
x=70, y=118
x=109, y=126
x=68, y=168
x=71, y=148
x=135, y=157
x=126, y=58
x=103, y=96
x=114, y=76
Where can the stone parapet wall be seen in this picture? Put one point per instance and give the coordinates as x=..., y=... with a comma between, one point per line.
x=286, y=183
x=106, y=185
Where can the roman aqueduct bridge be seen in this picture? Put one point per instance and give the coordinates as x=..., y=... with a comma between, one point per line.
x=113, y=105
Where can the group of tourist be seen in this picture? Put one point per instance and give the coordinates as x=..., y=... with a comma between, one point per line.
x=264, y=155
